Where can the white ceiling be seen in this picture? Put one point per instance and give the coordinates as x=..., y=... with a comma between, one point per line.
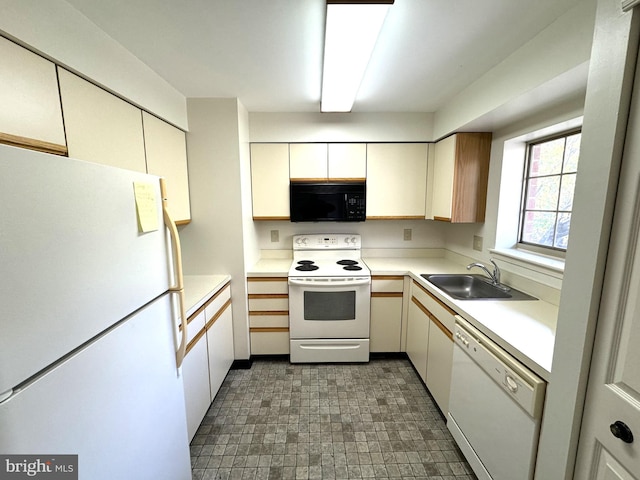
x=268, y=53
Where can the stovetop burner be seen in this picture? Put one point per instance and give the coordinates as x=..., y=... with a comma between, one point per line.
x=306, y=266
x=352, y=267
x=346, y=262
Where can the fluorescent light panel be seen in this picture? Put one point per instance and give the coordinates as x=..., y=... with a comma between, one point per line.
x=351, y=33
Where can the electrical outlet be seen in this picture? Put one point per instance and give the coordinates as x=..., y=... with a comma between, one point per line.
x=477, y=243
x=407, y=234
x=275, y=236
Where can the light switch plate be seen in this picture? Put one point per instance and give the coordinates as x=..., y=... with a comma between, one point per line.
x=407, y=234
x=275, y=235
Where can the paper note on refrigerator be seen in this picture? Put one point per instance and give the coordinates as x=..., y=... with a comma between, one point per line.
x=146, y=206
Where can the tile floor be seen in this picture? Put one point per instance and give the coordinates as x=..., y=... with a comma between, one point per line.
x=279, y=420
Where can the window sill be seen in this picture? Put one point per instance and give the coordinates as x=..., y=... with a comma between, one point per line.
x=532, y=261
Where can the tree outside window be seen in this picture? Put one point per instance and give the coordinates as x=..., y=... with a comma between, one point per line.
x=550, y=178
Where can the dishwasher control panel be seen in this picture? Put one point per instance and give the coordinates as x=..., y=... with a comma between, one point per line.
x=525, y=387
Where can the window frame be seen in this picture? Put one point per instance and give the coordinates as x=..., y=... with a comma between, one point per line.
x=537, y=248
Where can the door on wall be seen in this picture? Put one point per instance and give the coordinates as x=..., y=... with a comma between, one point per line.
x=609, y=445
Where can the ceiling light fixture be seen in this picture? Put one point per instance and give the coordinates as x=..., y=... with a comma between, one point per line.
x=351, y=32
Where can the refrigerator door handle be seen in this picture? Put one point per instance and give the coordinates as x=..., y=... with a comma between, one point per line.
x=178, y=288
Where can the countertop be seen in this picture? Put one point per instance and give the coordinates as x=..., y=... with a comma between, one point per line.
x=525, y=329
x=199, y=288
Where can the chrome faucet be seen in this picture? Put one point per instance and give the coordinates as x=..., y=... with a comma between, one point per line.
x=495, y=276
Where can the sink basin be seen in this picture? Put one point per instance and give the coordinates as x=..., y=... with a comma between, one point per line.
x=474, y=287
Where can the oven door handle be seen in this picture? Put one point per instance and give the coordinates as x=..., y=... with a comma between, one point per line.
x=334, y=282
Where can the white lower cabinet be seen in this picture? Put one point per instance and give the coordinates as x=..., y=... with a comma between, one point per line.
x=430, y=343
x=386, y=313
x=209, y=355
x=220, y=347
x=418, y=337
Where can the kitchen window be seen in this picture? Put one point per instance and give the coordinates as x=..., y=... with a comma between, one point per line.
x=547, y=194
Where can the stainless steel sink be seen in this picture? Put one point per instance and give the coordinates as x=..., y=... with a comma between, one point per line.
x=474, y=287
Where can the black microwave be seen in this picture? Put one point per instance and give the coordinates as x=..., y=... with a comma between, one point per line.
x=327, y=202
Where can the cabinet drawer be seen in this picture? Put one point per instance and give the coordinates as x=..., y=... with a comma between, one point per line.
x=262, y=320
x=269, y=342
x=387, y=283
x=444, y=314
x=268, y=302
x=216, y=303
x=262, y=285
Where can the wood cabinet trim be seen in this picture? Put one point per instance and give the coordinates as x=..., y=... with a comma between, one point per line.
x=218, y=314
x=441, y=326
x=442, y=219
x=268, y=329
x=433, y=318
x=195, y=340
x=207, y=303
x=421, y=307
x=268, y=312
x=387, y=294
x=271, y=219
x=265, y=296
x=33, y=144
x=437, y=300
x=387, y=277
x=396, y=217
x=267, y=279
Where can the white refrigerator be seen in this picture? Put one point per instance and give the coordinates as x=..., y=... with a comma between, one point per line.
x=88, y=319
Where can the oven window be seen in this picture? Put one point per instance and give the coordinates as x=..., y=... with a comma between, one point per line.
x=330, y=305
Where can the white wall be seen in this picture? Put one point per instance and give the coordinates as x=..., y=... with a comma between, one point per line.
x=563, y=46
x=59, y=32
x=376, y=234
x=214, y=240
x=341, y=127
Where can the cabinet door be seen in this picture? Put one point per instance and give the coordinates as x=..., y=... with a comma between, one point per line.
x=166, y=153
x=347, y=161
x=308, y=161
x=386, y=322
x=461, y=173
x=418, y=337
x=270, y=181
x=220, y=345
x=31, y=115
x=443, y=171
x=439, y=364
x=101, y=127
x=396, y=180
x=195, y=376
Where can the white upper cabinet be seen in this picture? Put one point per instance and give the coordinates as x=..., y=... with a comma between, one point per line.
x=101, y=127
x=31, y=115
x=308, y=161
x=166, y=154
x=328, y=162
x=347, y=161
x=460, y=176
x=396, y=180
x=270, y=181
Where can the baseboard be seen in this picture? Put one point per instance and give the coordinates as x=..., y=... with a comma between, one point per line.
x=242, y=364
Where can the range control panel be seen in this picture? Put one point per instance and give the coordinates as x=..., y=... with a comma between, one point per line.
x=334, y=241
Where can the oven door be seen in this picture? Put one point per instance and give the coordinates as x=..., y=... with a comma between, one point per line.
x=329, y=307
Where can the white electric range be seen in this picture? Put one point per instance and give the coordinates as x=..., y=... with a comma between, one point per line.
x=329, y=299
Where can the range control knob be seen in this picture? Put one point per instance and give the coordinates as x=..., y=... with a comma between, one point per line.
x=622, y=431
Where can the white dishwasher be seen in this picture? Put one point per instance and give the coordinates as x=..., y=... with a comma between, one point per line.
x=495, y=407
